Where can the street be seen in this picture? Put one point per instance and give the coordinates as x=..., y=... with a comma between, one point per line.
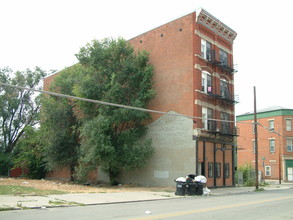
x=272, y=204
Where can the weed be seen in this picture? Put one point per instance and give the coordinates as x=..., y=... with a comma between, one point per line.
x=259, y=190
x=59, y=202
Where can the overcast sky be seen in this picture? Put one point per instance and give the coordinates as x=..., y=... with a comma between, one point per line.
x=47, y=33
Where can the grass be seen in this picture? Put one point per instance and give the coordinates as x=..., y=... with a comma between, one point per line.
x=23, y=190
x=5, y=208
x=59, y=202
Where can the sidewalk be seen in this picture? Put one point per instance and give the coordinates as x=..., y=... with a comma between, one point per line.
x=31, y=201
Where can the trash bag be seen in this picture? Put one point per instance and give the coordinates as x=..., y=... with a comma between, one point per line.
x=180, y=179
x=206, y=191
x=200, y=179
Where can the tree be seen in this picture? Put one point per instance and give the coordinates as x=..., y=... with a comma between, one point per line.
x=60, y=127
x=19, y=108
x=112, y=136
x=29, y=153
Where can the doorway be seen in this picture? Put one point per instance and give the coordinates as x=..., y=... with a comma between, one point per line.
x=290, y=173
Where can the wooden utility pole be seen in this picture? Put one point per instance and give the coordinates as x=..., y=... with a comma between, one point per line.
x=256, y=141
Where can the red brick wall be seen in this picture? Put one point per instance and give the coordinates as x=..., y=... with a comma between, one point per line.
x=245, y=143
x=197, y=82
x=48, y=80
x=17, y=172
x=171, y=52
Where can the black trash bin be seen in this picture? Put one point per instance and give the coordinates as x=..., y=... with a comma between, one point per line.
x=199, y=188
x=191, y=188
x=180, y=188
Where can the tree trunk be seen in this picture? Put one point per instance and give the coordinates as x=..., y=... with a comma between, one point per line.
x=113, y=175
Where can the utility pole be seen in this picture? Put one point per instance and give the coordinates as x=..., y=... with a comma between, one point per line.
x=256, y=141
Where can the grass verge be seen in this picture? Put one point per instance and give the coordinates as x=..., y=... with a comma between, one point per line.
x=24, y=190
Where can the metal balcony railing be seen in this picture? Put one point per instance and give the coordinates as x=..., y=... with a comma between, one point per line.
x=215, y=60
x=223, y=96
x=221, y=128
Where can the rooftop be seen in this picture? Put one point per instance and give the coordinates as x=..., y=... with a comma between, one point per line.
x=266, y=112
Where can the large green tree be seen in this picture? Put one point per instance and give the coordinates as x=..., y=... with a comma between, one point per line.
x=112, y=136
x=19, y=108
x=60, y=127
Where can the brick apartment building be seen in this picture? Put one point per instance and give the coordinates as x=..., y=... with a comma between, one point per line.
x=275, y=142
x=193, y=60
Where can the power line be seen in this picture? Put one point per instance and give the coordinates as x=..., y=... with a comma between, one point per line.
x=113, y=104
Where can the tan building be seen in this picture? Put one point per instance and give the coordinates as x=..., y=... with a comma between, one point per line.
x=275, y=142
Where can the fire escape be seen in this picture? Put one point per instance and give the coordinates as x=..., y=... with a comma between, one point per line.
x=223, y=126
x=220, y=62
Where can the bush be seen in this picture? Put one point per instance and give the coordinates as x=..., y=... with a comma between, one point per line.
x=29, y=154
x=248, y=175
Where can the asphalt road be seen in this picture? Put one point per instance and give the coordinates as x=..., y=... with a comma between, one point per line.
x=274, y=204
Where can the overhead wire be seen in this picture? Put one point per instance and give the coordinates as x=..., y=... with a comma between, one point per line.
x=114, y=104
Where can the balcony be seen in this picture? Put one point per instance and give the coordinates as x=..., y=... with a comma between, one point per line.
x=229, y=98
x=212, y=58
x=223, y=64
x=221, y=128
x=224, y=96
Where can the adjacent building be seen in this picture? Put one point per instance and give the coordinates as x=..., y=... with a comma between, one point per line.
x=194, y=82
x=275, y=142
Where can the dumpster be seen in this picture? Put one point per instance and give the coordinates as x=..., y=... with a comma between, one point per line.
x=199, y=188
x=191, y=188
x=180, y=187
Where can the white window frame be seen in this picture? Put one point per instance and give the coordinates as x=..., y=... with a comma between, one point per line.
x=253, y=146
x=253, y=127
x=272, y=145
x=271, y=125
x=288, y=122
x=268, y=171
x=289, y=144
x=206, y=88
x=204, y=48
x=205, y=118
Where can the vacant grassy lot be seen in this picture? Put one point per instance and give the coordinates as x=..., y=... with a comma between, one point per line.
x=13, y=186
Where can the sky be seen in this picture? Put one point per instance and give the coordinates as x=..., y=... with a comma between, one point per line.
x=48, y=34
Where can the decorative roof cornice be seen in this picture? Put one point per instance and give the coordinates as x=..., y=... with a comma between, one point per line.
x=215, y=25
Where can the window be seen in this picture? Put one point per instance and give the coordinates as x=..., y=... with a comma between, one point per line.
x=224, y=88
x=225, y=125
x=218, y=170
x=253, y=127
x=206, y=82
x=210, y=170
x=271, y=125
x=227, y=170
x=253, y=146
x=288, y=124
x=268, y=171
x=224, y=57
x=272, y=145
x=207, y=114
x=289, y=145
x=205, y=49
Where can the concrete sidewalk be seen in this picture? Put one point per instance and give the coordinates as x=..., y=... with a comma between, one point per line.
x=31, y=201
